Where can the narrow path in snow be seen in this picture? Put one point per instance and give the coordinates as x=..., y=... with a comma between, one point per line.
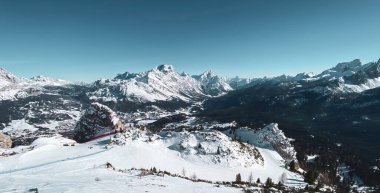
x=53, y=162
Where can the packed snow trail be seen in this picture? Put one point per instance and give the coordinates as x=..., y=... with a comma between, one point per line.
x=52, y=162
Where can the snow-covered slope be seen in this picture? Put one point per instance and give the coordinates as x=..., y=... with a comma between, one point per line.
x=162, y=83
x=89, y=174
x=52, y=167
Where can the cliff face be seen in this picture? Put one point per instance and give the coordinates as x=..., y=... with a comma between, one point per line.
x=96, y=120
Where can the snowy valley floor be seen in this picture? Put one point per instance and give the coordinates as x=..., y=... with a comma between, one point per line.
x=52, y=167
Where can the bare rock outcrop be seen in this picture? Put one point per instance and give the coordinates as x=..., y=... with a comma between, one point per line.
x=97, y=119
x=5, y=141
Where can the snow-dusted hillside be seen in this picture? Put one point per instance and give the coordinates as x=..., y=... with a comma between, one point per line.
x=162, y=83
x=50, y=166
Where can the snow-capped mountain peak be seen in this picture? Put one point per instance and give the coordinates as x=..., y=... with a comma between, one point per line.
x=126, y=75
x=161, y=69
x=162, y=83
x=304, y=75
x=44, y=80
x=342, y=69
x=7, y=77
x=208, y=74
x=354, y=65
x=212, y=84
x=165, y=68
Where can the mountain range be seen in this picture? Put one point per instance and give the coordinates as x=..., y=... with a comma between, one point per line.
x=163, y=83
x=346, y=84
x=337, y=108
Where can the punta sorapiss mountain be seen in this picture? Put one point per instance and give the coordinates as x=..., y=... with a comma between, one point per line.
x=162, y=83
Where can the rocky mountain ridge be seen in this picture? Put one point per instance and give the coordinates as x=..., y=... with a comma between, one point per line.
x=162, y=83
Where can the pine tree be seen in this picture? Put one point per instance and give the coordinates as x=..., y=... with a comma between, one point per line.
x=238, y=178
x=258, y=181
x=269, y=182
x=279, y=184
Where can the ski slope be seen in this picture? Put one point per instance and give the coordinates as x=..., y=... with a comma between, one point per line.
x=52, y=167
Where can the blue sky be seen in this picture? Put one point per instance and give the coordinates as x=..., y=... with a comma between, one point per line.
x=85, y=40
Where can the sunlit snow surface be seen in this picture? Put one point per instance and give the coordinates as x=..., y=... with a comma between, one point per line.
x=52, y=167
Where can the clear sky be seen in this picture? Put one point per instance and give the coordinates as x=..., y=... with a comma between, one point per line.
x=85, y=40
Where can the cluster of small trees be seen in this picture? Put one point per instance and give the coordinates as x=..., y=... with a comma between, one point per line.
x=237, y=183
x=268, y=183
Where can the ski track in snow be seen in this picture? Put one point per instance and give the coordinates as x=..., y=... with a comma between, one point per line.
x=51, y=162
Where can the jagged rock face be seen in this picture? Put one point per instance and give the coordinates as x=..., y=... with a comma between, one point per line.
x=213, y=147
x=372, y=70
x=97, y=119
x=269, y=137
x=5, y=141
x=277, y=139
